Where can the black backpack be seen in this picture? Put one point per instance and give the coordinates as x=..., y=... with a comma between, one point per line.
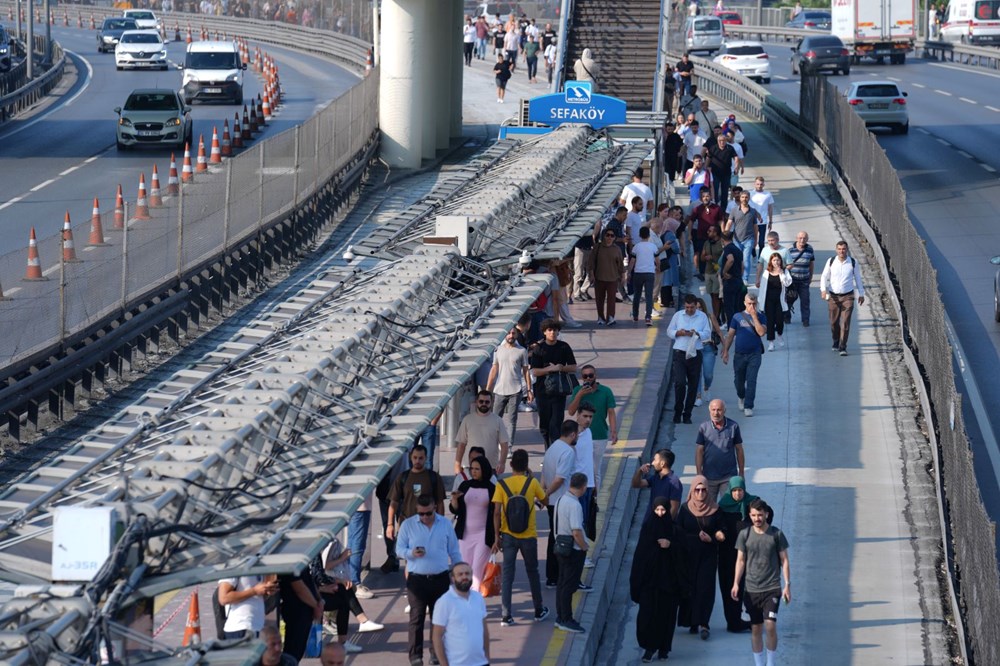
x=517, y=509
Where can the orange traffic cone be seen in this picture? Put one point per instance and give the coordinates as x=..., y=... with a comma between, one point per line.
x=254, y=125
x=202, y=162
x=227, y=145
x=173, y=185
x=187, y=173
x=96, y=230
x=155, y=200
x=215, y=157
x=260, y=113
x=266, y=107
x=192, y=629
x=237, y=132
x=34, y=271
x=69, y=250
x=141, y=205
x=119, y=210
x=247, y=135
x=189, y=40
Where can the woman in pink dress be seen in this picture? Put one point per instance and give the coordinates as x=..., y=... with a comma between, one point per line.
x=474, y=525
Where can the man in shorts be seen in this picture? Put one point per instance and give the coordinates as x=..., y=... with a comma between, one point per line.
x=763, y=554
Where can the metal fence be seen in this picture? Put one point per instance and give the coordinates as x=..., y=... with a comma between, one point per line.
x=879, y=193
x=234, y=201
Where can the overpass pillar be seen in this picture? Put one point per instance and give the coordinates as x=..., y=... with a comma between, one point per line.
x=454, y=112
x=448, y=59
x=406, y=82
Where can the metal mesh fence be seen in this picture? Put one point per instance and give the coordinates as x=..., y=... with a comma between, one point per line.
x=880, y=194
x=217, y=211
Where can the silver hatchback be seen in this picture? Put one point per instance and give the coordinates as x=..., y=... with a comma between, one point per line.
x=704, y=33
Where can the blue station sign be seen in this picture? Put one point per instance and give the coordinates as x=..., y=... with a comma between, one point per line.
x=577, y=104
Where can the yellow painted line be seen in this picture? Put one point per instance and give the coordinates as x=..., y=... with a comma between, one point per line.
x=161, y=600
x=617, y=457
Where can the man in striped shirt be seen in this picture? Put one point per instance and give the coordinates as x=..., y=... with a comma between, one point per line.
x=801, y=261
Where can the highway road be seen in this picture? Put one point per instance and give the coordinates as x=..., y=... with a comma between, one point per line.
x=948, y=165
x=64, y=156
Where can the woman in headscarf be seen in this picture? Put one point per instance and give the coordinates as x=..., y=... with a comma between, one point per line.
x=735, y=509
x=700, y=523
x=657, y=582
x=474, y=524
x=587, y=69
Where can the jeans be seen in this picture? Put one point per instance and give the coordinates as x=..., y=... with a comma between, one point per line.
x=429, y=438
x=686, y=373
x=708, y=356
x=570, y=570
x=505, y=406
x=643, y=282
x=801, y=287
x=841, y=309
x=357, y=542
x=551, y=409
x=761, y=237
x=745, y=369
x=585, y=500
x=747, y=247
x=532, y=67
x=422, y=592
x=481, y=48
x=528, y=547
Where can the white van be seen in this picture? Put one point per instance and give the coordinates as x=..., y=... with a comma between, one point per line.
x=972, y=22
x=704, y=33
x=213, y=71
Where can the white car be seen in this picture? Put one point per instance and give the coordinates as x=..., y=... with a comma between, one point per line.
x=141, y=49
x=746, y=58
x=880, y=104
x=145, y=19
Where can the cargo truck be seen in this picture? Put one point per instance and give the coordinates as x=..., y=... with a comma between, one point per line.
x=875, y=28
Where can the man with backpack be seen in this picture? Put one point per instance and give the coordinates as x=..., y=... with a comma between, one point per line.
x=840, y=282
x=514, y=520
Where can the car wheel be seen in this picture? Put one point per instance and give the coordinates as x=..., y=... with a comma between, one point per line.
x=118, y=68
x=904, y=129
x=846, y=71
x=120, y=146
x=996, y=302
x=238, y=99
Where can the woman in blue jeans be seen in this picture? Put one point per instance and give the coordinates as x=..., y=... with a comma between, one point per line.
x=709, y=352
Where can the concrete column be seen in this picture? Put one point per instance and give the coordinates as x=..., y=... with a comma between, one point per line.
x=404, y=94
x=445, y=65
x=454, y=111
x=428, y=61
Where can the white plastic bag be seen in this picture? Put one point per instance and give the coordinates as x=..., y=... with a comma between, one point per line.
x=692, y=348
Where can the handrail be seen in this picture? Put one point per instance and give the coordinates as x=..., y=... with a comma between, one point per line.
x=27, y=95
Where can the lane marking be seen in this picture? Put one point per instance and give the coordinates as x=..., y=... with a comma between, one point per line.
x=963, y=69
x=965, y=155
x=922, y=131
x=31, y=123
x=968, y=101
x=942, y=92
x=891, y=78
x=918, y=85
x=782, y=78
x=43, y=184
x=10, y=202
x=993, y=108
x=69, y=170
x=941, y=141
x=94, y=158
x=988, y=167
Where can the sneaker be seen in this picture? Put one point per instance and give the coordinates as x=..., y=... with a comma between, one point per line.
x=572, y=324
x=843, y=352
x=781, y=341
x=370, y=625
x=611, y=321
x=697, y=401
x=571, y=626
x=649, y=321
x=329, y=628
x=739, y=402
x=507, y=621
x=806, y=324
x=498, y=100
x=687, y=420
x=351, y=648
x=601, y=322
x=706, y=395
x=747, y=412
x=835, y=348
x=541, y=614
x=528, y=407
x=635, y=320
x=362, y=592
x=770, y=346
x=657, y=314
x=583, y=587
x=407, y=609
x=588, y=563
x=551, y=584
x=389, y=566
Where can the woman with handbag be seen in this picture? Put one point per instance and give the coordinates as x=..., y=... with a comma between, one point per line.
x=553, y=366
x=775, y=305
x=701, y=526
x=658, y=582
x=470, y=503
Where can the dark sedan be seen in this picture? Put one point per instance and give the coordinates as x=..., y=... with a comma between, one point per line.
x=811, y=20
x=111, y=31
x=815, y=53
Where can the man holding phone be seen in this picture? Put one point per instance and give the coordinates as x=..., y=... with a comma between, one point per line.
x=428, y=543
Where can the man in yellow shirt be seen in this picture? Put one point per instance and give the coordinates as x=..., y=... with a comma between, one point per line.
x=514, y=503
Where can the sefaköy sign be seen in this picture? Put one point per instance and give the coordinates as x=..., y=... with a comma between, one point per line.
x=577, y=104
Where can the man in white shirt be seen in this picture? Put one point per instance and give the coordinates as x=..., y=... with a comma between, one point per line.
x=481, y=427
x=694, y=143
x=459, y=631
x=840, y=281
x=557, y=466
x=763, y=202
x=587, y=462
x=244, y=597
x=643, y=274
x=687, y=324
x=508, y=375
x=637, y=188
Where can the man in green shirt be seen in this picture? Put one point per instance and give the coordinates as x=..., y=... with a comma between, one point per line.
x=604, y=427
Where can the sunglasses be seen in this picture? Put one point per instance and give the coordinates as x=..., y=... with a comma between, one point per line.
x=424, y=515
x=697, y=490
x=589, y=376
x=484, y=402
x=611, y=235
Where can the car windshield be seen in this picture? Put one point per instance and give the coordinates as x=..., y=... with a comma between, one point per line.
x=140, y=38
x=146, y=16
x=816, y=16
x=119, y=24
x=745, y=50
x=813, y=42
x=221, y=60
x=878, y=90
x=152, y=101
x=729, y=16
x=711, y=25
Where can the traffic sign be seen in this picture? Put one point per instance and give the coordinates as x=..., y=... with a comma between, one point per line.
x=577, y=104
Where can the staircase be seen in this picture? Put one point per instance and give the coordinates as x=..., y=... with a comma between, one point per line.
x=623, y=36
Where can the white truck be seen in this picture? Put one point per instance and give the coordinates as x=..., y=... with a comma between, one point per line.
x=875, y=28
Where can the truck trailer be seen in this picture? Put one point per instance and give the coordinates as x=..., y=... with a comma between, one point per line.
x=875, y=28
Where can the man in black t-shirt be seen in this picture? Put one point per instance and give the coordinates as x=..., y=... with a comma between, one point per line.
x=720, y=160
x=548, y=36
x=731, y=275
x=685, y=72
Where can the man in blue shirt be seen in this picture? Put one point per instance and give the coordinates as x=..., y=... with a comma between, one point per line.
x=428, y=543
x=746, y=328
x=661, y=481
x=685, y=326
x=730, y=275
